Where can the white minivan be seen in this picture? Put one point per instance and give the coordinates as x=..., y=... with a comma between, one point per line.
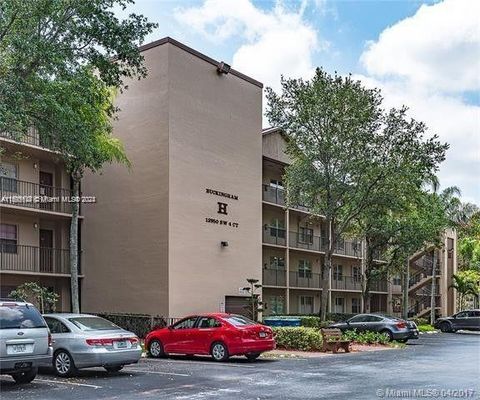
x=25, y=341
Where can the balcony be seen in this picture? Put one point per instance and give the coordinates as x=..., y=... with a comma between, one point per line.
x=33, y=195
x=304, y=242
x=305, y=279
x=274, y=277
x=31, y=259
x=351, y=248
x=379, y=286
x=31, y=137
x=274, y=235
x=342, y=282
x=273, y=195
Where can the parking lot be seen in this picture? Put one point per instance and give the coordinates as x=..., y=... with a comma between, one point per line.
x=436, y=361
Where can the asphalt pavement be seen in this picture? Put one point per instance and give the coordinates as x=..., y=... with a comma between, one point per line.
x=439, y=365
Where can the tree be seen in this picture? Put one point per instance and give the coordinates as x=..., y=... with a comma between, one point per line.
x=340, y=143
x=43, y=298
x=254, y=302
x=60, y=64
x=466, y=283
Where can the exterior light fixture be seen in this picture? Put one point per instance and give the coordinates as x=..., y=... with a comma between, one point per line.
x=35, y=225
x=223, y=68
x=35, y=165
x=224, y=244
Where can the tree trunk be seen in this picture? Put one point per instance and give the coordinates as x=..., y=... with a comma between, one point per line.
x=326, y=272
x=406, y=278
x=432, y=294
x=74, y=245
x=368, y=277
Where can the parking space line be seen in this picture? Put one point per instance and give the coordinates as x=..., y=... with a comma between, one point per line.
x=68, y=383
x=171, y=362
x=155, y=372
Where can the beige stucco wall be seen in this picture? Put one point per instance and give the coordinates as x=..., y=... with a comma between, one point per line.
x=274, y=147
x=215, y=142
x=125, y=234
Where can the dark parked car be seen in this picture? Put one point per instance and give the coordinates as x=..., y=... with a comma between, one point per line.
x=466, y=320
x=395, y=328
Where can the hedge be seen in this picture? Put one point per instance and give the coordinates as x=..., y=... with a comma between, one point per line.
x=298, y=338
x=367, y=337
x=137, y=323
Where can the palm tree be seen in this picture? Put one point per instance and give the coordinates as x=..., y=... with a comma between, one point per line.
x=464, y=287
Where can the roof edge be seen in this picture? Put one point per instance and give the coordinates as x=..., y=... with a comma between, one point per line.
x=196, y=53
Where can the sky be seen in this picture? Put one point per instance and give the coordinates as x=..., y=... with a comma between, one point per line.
x=422, y=54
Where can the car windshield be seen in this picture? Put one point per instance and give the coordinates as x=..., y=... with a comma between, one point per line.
x=93, y=324
x=239, y=320
x=20, y=317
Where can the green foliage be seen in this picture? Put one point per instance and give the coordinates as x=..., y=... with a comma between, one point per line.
x=426, y=328
x=46, y=40
x=312, y=321
x=466, y=283
x=298, y=338
x=469, y=238
x=43, y=298
x=419, y=321
x=367, y=337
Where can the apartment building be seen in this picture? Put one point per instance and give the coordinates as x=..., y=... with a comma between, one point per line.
x=424, y=277
x=294, y=243
x=34, y=217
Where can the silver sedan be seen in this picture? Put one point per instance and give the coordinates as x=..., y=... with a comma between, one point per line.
x=83, y=341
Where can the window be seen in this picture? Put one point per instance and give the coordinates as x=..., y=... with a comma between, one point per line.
x=463, y=314
x=20, y=317
x=306, y=304
x=8, y=177
x=276, y=304
x=8, y=238
x=357, y=273
x=305, y=235
x=337, y=272
x=239, y=320
x=276, y=184
x=93, y=324
x=208, y=322
x=355, y=305
x=373, y=318
x=277, y=228
x=56, y=326
x=397, y=281
x=304, y=269
x=339, y=305
x=186, y=323
x=277, y=263
x=358, y=318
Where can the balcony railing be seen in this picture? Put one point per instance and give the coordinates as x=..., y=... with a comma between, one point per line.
x=274, y=277
x=34, y=195
x=316, y=243
x=273, y=235
x=273, y=194
x=344, y=282
x=31, y=137
x=305, y=279
x=304, y=241
x=22, y=258
x=379, y=286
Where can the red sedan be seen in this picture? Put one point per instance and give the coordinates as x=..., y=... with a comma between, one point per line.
x=220, y=335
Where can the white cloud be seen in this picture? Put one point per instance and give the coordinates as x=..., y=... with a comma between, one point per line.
x=428, y=62
x=438, y=47
x=274, y=42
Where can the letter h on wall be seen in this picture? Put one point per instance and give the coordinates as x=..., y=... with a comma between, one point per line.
x=222, y=208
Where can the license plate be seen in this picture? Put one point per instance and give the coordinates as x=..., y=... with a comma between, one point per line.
x=121, y=344
x=262, y=334
x=18, y=348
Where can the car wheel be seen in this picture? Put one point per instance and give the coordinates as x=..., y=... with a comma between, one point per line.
x=252, y=356
x=26, y=376
x=63, y=364
x=114, y=368
x=155, y=349
x=388, y=333
x=219, y=351
x=445, y=327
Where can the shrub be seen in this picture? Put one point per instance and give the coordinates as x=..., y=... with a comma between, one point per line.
x=136, y=323
x=426, y=328
x=367, y=337
x=310, y=321
x=420, y=321
x=301, y=338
